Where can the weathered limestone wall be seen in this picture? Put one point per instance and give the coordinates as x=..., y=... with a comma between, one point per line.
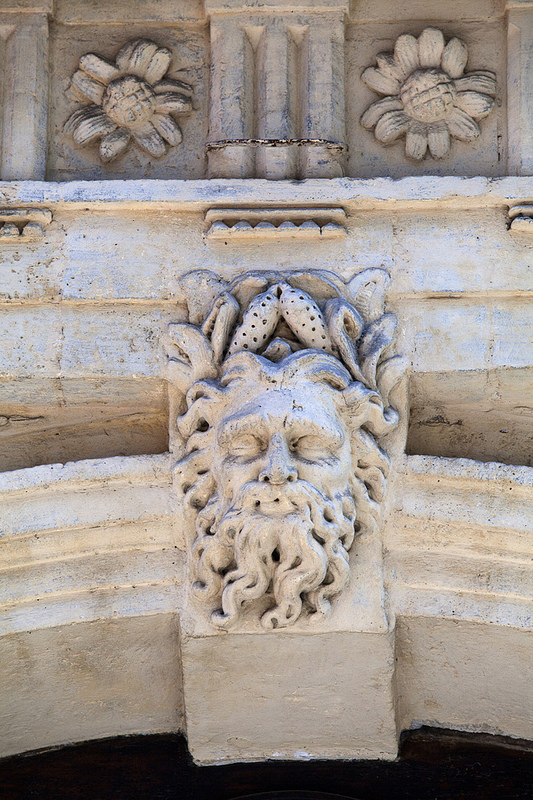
x=136, y=140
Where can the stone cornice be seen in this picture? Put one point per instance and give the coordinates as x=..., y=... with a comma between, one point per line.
x=372, y=193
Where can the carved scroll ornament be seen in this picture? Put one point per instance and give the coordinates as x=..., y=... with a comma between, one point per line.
x=428, y=98
x=129, y=99
x=287, y=379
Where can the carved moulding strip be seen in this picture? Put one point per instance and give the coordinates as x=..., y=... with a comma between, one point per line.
x=521, y=218
x=23, y=224
x=284, y=223
x=288, y=381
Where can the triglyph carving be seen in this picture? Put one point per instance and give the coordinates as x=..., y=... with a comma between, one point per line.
x=287, y=379
x=130, y=98
x=428, y=98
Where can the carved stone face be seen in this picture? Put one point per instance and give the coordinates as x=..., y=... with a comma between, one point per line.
x=280, y=436
x=282, y=467
x=275, y=486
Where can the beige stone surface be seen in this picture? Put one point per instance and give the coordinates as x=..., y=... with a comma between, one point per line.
x=88, y=540
x=67, y=161
x=368, y=158
x=458, y=544
x=431, y=10
x=79, y=12
x=97, y=618
x=283, y=446
x=89, y=680
x=465, y=676
x=484, y=414
x=25, y=52
x=327, y=696
x=58, y=420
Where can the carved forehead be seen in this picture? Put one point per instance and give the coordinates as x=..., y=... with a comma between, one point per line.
x=303, y=407
x=303, y=389
x=306, y=365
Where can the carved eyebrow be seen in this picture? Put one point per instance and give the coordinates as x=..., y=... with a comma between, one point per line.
x=256, y=424
x=237, y=425
x=309, y=427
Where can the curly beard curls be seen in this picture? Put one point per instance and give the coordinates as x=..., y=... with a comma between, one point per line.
x=288, y=544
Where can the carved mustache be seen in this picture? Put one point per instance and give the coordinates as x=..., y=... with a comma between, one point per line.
x=254, y=496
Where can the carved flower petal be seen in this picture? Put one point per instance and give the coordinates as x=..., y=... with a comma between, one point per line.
x=150, y=140
x=388, y=66
x=391, y=126
x=158, y=65
x=168, y=85
x=484, y=82
x=82, y=113
x=87, y=86
x=462, y=126
x=416, y=141
x=454, y=58
x=475, y=104
x=88, y=124
x=406, y=53
x=172, y=102
x=430, y=47
x=135, y=56
x=383, y=84
x=168, y=129
x=114, y=143
x=439, y=140
x=374, y=112
x=98, y=68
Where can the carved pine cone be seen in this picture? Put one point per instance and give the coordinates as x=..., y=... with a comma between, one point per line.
x=258, y=323
x=304, y=318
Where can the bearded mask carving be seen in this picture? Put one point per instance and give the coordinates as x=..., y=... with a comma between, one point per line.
x=287, y=378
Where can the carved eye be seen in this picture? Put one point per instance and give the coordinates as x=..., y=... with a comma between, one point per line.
x=246, y=445
x=312, y=447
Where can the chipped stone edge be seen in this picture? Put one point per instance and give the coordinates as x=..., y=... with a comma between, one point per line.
x=23, y=224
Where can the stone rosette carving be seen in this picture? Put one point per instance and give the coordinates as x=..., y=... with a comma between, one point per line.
x=288, y=377
x=428, y=97
x=129, y=99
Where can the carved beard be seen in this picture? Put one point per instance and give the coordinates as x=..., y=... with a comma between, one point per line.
x=289, y=543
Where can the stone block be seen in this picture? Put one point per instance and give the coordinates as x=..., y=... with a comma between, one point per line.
x=289, y=696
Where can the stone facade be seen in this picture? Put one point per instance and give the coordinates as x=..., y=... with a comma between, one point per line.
x=265, y=388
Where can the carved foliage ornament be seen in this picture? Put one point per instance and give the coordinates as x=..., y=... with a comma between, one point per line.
x=428, y=98
x=130, y=98
x=287, y=378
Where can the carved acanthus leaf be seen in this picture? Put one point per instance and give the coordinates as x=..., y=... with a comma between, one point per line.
x=274, y=314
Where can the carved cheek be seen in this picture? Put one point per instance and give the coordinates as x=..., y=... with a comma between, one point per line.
x=231, y=475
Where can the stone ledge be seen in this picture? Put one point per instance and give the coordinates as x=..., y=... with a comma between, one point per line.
x=431, y=467
x=364, y=194
x=154, y=469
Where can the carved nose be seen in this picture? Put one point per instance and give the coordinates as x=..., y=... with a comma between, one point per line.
x=279, y=467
